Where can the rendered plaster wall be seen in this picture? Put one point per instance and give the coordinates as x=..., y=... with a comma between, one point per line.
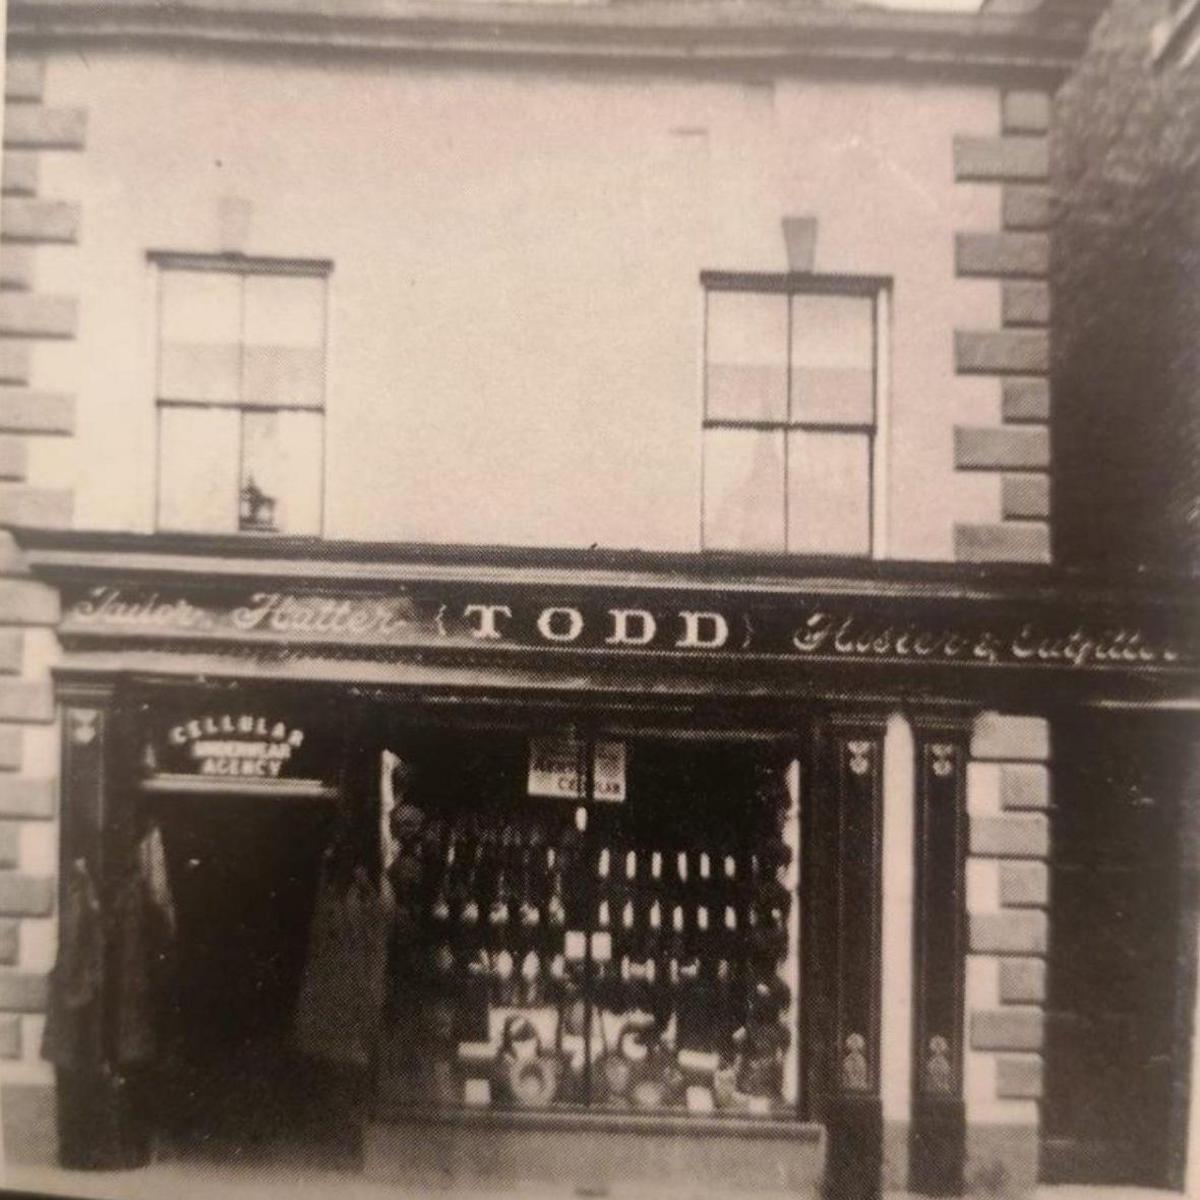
x=515, y=308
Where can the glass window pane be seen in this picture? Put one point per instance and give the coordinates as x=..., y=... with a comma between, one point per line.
x=833, y=360
x=285, y=310
x=281, y=471
x=200, y=333
x=284, y=361
x=829, y=492
x=743, y=489
x=746, y=378
x=198, y=469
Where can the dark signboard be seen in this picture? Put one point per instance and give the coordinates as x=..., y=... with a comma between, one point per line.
x=1043, y=633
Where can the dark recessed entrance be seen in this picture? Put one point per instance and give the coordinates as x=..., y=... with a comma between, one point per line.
x=242, y=872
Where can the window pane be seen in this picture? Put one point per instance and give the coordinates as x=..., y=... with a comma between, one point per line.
x=199, y=339
x=747, y=357
x=743, y=489
x=833, y=360
x=198, y=469
x=284, y=361
x=829, y=492
x=281, y=471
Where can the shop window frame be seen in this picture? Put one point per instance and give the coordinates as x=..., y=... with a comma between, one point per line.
x=783, y=747
x=875, y=288
x=243, y=266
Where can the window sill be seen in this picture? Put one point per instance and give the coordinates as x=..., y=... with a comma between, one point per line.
x=602, y=1121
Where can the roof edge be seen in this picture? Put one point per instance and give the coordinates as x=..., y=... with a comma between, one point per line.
x=708, y=34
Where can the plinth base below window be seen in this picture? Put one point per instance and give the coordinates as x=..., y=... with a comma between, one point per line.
x=593, y=1153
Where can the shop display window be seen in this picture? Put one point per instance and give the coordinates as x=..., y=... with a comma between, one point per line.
x=626, y=941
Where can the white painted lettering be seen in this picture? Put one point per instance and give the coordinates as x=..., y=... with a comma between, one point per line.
x=641, y=635
x=551, y=624
x=486, y=630
x=703, y=630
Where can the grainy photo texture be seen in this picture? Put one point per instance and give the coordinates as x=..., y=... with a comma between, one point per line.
x=598, y=599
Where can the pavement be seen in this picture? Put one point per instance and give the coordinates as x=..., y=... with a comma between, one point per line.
x=190, y=1180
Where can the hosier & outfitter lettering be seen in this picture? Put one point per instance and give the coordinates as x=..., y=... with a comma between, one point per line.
x=827, y=633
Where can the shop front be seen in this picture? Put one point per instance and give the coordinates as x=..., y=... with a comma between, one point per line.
x=574, y=865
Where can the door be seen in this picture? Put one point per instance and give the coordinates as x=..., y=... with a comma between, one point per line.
x=1113, y=1049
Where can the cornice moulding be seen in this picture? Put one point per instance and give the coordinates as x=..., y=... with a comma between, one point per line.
x=709, y=34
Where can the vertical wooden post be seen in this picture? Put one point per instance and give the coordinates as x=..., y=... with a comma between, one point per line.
x=851, y=815
x=101, y=1119
x=937, y=1136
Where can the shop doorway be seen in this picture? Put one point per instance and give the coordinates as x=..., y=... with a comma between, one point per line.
x=1117, y=1049
x=242, y=872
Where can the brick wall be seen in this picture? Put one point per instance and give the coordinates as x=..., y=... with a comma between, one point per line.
x=1008, y=792
x=1017, y=257
x=38, y=323
x=1125, y=267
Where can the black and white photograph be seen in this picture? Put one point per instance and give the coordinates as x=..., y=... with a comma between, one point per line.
x=600, y=599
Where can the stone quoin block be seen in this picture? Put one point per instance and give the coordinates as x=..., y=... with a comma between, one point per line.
x=1025, y=496
x=28, y=602
x=14, y=458
x=10, y=941
x=1012, y=541
x=1024, y=885
x=1010, y=837
x=14, y=361
x=1001, y=351
x=22, y=991
x=26, y=895
x=1026, y=206
x=1025, y=112
x=1019, y=255
x=26, y=411
x=19, y=173
x=30, y=799
x=23, y=220
x=26, y=702
x=1025, y=302
x=1023, y=981
x=1007, y=1029
x=1019, y=1077
x=11, y=749
x=31, y=314
x=24, y=78
x=1025, y=400
x=17, y=267
x=12, y=561
x=997, y=159
x=1015, y=932
x=10, y=843
x=10, y=1037
x=38, y=127
x=982, y=448
x=1024, y=786
x=36, y=508
x=12, y=651
x=1000, y=737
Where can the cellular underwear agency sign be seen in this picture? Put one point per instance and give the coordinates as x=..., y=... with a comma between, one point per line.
x=801, y=626
x=235, y=742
